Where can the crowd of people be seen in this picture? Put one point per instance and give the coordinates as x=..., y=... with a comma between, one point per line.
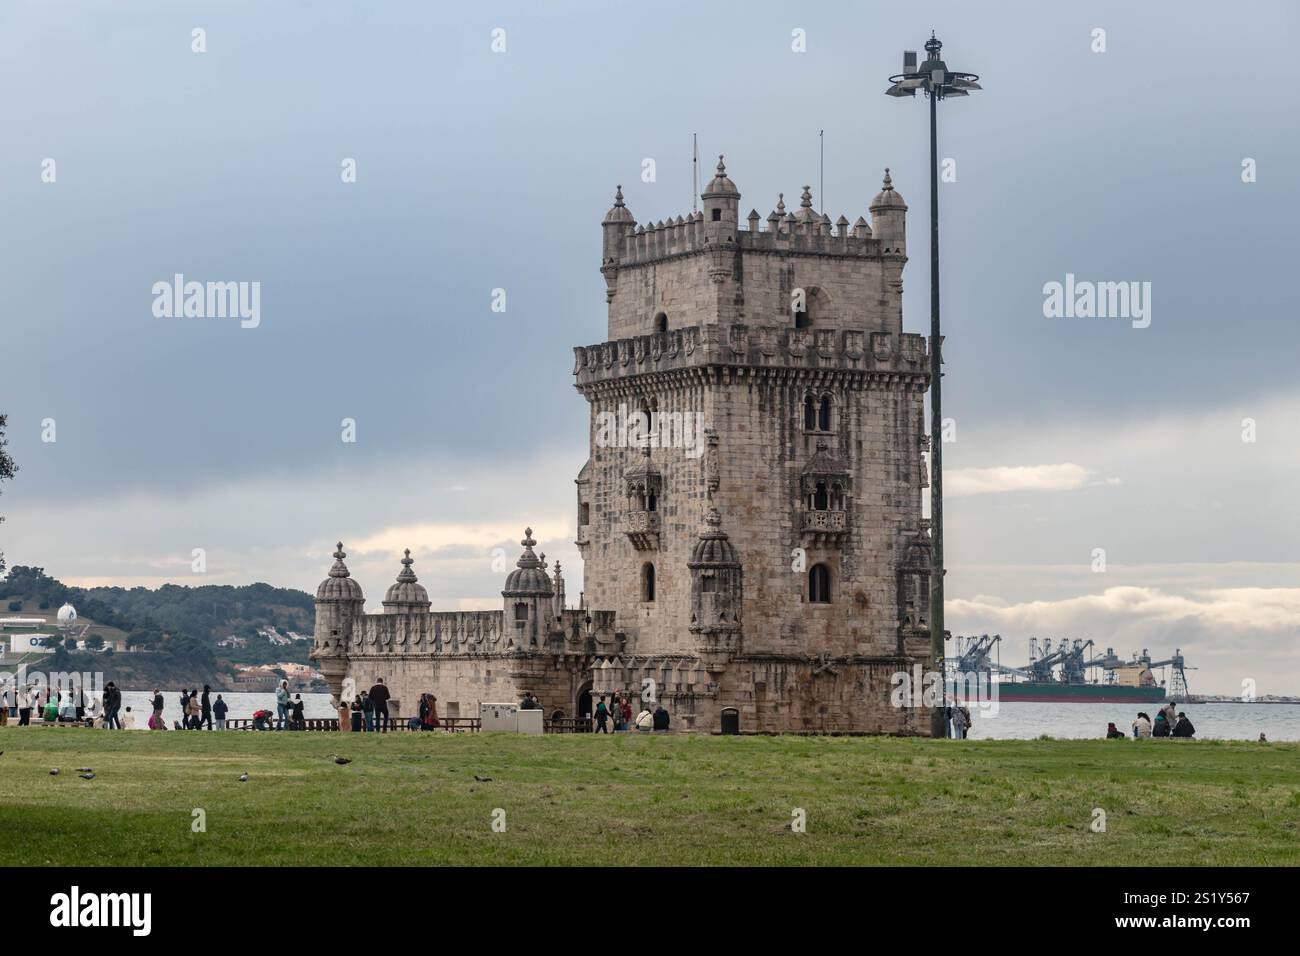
x=71, y=706
x=1169, y=722
x=618, y=714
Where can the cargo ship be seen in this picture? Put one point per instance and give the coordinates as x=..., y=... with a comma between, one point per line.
x=1063, y=673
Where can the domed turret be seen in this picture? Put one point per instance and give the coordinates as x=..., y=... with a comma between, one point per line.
x=721, y=206
x=339, y=608
x=528, y=579
x=721, y=184
x=67, y=616
x=339, y=586
x=713, y=548
x=889, y=217
x=406, y=594
x=618, y=223
x=717, y=593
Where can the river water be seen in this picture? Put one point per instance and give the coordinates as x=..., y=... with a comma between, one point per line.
x=1016, y=721
x=1023, y=721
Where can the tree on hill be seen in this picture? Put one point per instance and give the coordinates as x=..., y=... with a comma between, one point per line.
x=7, y=470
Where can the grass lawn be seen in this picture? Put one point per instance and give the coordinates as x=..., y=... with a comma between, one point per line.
x=414, y=799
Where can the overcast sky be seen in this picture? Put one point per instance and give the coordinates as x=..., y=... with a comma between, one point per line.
x=479, y=170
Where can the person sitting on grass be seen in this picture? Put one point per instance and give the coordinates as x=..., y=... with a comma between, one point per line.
x=261, y=719
x=128, y=720
x=1142, y=727
x=1184, y=727
x=1160, y=728
x=645, y=720
x=661, y=719
x=1113, y=732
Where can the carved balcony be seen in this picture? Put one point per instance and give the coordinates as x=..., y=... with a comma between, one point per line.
x=825, y=527
x=642, y=529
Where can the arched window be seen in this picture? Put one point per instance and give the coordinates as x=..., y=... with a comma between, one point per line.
x=651, y=501
x=801, y=320
x=820, y=498
x=661, y=322
x=809, y=414
x=819, y=584
x=647, y=582
x=824, y=414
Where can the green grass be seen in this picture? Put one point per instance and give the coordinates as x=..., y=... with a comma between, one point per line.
x=580, y=800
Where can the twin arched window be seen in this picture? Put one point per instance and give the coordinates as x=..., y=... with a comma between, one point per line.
x=817, y=413
x=819, y=584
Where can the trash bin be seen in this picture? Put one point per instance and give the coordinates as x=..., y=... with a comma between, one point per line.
x=730, y=721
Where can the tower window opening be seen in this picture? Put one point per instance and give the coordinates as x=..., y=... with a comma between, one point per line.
x=521, y=611
x=584, y=513
x=821, y=500
x=661, y=322
x=717, y=215
x=819, y=584
x=651, y=502
x=801, y=320
x=824, y=414
x=708, y=584
x=809, y=414
x=648, y=582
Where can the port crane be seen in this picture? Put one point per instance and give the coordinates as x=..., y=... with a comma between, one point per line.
x=975, y=655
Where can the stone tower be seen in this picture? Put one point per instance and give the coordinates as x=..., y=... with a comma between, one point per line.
x=758, y=380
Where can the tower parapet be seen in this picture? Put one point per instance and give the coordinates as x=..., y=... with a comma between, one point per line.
x=884, y=356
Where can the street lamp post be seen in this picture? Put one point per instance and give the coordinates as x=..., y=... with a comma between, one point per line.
x=936, y=81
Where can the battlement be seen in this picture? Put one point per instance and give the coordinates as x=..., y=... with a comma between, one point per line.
x=663, y=240
x=872, y=353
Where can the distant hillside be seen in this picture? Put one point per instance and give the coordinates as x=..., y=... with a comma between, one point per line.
x=181, y=624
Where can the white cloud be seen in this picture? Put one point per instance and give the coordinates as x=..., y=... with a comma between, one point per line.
x=963, y=482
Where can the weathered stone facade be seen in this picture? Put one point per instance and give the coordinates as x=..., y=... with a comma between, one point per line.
x=750, y=514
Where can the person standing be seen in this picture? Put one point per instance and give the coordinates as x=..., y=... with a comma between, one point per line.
x=1171, y=713
x=281, y=704
x=185, y=709
x=205, y=704
x=157, y=717
x=4, y=704
x=368, y=712
x=112, y=703
x=379, y=699
x=219, y=710
x=194, y=710
x=602, y=716
x=959, y=725
x=25, y=707
x=356, y=710
x=429, y=712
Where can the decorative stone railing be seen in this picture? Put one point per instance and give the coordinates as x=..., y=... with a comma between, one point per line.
x=875, y=352
x=642, y=529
